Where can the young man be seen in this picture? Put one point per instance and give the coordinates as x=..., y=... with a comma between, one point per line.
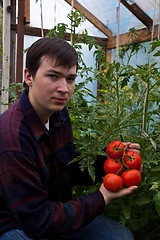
x=36, y=144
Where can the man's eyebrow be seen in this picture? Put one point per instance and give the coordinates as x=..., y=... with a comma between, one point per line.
x=73, y=75
x=60, y=73
x=53, y=71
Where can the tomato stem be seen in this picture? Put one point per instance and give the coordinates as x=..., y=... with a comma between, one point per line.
x=123, y=164
x=119, y=170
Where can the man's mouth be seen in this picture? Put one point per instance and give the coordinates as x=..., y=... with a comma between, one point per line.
x=60, y=100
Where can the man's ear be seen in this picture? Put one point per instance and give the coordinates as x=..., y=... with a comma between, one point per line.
x=28, y=77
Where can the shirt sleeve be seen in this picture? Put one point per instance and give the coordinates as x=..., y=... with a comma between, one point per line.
x=27, y=199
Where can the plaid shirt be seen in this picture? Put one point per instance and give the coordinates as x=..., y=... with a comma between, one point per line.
x=35, y=180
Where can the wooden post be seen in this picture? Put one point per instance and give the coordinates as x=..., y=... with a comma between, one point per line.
x=13, y=44
x=20, y=42
x=6, y=53
x=108, y=55
x=27, y=12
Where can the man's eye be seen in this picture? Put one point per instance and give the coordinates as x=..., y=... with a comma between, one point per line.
x=71, y=79
x=52, y=76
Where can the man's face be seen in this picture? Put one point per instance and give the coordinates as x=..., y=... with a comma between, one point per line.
x=51, y=88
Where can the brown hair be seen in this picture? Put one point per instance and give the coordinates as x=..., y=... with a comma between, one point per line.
x=53, y=48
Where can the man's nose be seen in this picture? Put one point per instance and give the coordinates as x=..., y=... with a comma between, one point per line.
x=62, y=85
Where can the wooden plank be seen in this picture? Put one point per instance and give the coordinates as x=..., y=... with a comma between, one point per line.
x=27, y=12
x=13, y=43
x=143, y=35
x=33, y=31
x=138, y=12
x=108, y=55
x=20, y=41
x=6, y=53
x=98, y=24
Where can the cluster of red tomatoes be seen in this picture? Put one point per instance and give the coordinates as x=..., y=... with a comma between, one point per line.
x=121, y=168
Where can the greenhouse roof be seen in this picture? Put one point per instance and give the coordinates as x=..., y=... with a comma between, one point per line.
x=136, y=14
x=106, y=12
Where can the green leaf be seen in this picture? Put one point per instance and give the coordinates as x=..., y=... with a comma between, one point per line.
x=142, y=200
x=126, y=211
x=124, y=82
x=154, y=44
x=125, y=208
x=156, y=169
x=157, y=54
x=157, y=202
x=91, y=171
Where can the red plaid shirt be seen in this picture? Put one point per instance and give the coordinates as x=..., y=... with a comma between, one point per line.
x=35, y=180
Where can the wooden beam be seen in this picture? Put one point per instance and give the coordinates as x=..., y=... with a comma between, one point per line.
x=98, y=24
x=20, y=41
x=6, y=53
x=138, y=12
x=33, y=31
x=143, y=35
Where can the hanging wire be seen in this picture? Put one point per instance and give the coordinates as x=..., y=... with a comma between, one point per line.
x=159, y=21
x=152, y=33
x=41, y=19
x=158, y=31
x=72, y=5
x=1, y=36
x=117, y=44
x=117, y=37
x=144, y=134
x=55, y=5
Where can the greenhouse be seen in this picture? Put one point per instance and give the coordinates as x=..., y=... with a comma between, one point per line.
x=80, y=119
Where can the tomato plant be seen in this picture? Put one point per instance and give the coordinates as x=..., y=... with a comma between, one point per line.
x=111, y=166
x=132, y=160
x=113, y=182
x=122, y=84
x=131, y=178
x=115, y=149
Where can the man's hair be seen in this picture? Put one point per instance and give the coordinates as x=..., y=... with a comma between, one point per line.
x=53, y=48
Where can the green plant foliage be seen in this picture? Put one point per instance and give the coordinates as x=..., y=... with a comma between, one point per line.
x=12, y=92
x=127, y=108
x=127, y=102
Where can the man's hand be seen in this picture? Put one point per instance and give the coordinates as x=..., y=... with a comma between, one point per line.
x=133, y=147
x=109, y=196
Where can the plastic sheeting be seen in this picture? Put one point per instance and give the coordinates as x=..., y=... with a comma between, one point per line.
x=55, y=11
x=105, y=11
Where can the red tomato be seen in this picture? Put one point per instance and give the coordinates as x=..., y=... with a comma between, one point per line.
x=131, y=178
x=113, y=182
x=132, y=160
x=110, y=166
x=115, y=149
